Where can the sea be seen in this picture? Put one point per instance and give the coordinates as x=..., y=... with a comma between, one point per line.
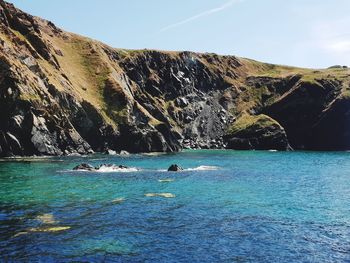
x=225, y=206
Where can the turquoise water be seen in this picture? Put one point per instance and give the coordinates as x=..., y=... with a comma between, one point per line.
x=253, y=207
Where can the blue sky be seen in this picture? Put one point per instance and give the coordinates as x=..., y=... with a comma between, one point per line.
x=308, y=33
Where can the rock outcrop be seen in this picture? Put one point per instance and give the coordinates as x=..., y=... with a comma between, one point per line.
x=174, y=168
x=102, y=167
x=63, y=94
x=84, y=167
x=256, y=132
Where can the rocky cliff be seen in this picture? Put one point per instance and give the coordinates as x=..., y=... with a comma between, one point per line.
x=61, y=93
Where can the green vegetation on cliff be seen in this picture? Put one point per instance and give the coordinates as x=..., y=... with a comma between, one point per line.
x=248, y=122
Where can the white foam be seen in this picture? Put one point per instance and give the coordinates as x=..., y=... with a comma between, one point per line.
x=203, y=168
x=154, y=153
x=199, y=168
x=113, y=169
x=166, y=195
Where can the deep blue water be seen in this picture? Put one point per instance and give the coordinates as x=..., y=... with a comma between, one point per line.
x=255, y=206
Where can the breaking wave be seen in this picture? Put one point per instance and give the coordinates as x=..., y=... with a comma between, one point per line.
x=112, y=169
x=203, y=168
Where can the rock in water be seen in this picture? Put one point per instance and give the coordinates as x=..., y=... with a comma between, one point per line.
x=174, y=168
x=84, y=166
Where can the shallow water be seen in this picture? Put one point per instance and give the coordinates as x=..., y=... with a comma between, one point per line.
x=245, y=207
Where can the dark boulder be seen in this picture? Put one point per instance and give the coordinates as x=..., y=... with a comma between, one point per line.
x=174, y=168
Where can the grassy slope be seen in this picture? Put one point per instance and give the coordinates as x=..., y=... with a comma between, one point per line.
x=246, y=122
x=251, y=97
x=277, y=71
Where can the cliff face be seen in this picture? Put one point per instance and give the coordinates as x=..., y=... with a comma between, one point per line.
x=61, y=93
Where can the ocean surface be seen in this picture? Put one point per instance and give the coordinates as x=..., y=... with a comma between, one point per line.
x=226, y=206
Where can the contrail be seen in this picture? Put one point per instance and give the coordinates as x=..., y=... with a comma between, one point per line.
x=205, y=13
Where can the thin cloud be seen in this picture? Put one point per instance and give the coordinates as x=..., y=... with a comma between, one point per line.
x=203, y=14
x=333, y=37
x=340, y=46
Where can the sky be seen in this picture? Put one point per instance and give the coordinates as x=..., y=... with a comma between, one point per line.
x=305, y=33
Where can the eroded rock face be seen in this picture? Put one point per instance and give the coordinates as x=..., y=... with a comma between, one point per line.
x=305, y=113
x=65, y=94
x=332, y=131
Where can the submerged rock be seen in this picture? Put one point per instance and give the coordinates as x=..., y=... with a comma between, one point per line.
x=174, y=168
x=169, y=180
x=50, y=229
x=47, y=219
x=165, y=195
x=118, y=200
x=45, y=229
